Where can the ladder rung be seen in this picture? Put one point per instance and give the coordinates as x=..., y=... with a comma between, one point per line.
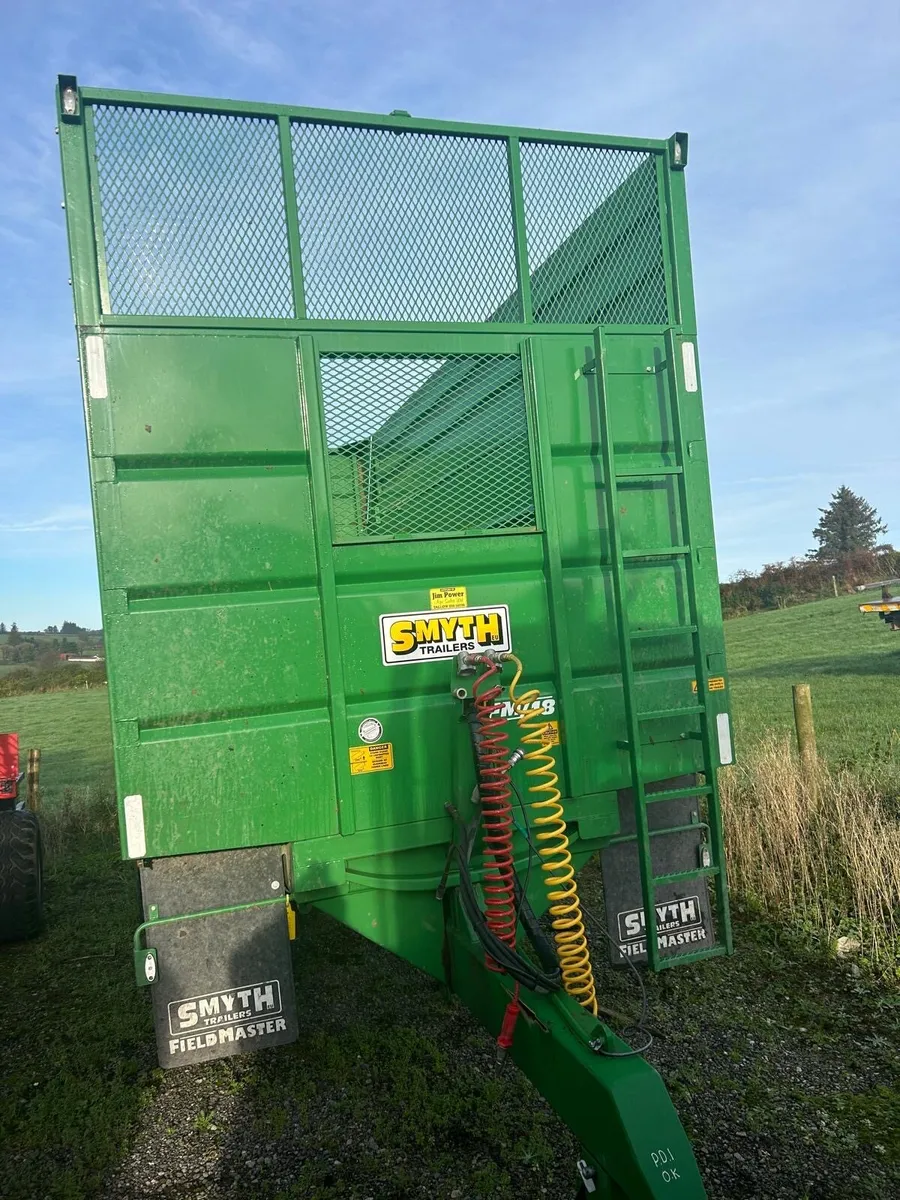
x=679, y=793
x=633, y=837
x=661, y=713
x=672, y=631
x=679, y=876
x=653, y=473
x=668, y=552
x=679, y=960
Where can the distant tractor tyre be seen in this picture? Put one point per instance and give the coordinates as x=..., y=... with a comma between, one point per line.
x=21, y=876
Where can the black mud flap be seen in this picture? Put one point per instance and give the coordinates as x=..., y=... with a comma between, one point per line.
x=224, y=983
x=683, y=915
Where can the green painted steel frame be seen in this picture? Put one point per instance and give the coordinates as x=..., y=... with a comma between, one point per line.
x=91, y=295
x=617, y=1107
x=634, y=717
x=91, y=299
x=92, y=302
x=595, y=1095
x=397, y=121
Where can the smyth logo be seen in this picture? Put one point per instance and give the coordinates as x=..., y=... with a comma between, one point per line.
x=671, y=914
x=232, y=1007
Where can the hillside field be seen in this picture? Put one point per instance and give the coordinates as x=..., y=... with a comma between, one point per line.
x=72, y=730
x=851, y=660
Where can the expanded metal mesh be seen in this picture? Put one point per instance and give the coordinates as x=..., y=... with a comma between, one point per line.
x=421, y=445
x=398, y=226
x=193, y=213
x=594, y=235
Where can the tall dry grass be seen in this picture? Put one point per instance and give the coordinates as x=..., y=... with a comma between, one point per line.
x=822, y=847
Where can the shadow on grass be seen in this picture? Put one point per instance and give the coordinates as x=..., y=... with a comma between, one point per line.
x=391, y=1091
x=71, y=767
x=874, y=664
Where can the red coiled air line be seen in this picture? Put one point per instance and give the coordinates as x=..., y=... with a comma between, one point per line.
x=496, y=814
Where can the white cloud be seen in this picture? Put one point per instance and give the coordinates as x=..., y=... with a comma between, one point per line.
x=67, y=518
x=222, y=25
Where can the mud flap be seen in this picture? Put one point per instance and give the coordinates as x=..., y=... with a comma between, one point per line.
x=683, y=913
x=224, y=982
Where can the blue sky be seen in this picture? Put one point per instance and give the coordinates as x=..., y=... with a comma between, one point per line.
x=794, y=114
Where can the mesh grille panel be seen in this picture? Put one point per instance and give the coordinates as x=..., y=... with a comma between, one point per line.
x=594, y=237
x=408, y=441
x=404, y=226
x=193, y=213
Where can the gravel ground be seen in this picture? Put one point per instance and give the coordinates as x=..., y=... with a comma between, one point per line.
x=783, y=1069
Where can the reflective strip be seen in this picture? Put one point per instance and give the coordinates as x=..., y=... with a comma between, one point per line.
x=135, y=839
x=723, y=728
x=95, y=367
x=690, y=366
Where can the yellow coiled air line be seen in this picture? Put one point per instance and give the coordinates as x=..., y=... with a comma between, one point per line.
x=553, y=848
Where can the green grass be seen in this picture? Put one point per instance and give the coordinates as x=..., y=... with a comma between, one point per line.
x=76, y=1058
x=851, y=662
x=78, y=1063
x=72, y=731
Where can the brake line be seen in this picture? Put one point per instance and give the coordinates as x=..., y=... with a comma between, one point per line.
x=553, y=848
x=497, y=881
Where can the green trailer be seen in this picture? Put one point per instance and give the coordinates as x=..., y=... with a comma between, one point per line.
x=407, y=566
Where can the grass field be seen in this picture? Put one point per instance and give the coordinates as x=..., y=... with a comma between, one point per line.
x=72, y=731
x=851, y=661
x=783, y=1065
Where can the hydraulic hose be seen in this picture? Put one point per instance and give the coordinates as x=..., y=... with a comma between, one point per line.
x=498, y=876
x=541, y=976
x=553, y=848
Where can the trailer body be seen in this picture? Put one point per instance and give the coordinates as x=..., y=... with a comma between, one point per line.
x=364, y=394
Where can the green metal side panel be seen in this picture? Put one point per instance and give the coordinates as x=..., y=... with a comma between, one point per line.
x=641, y=404
x=242, y=617
x=209, y=576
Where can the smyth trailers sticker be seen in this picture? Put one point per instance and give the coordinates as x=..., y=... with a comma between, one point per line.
x=678, y=923
x=426, y=636
x=227, y=1016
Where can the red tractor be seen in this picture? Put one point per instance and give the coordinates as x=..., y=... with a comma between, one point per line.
x=21, y=854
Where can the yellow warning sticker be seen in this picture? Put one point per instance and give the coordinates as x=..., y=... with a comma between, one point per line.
x=716, y=684
x=449, y=597
x=550, y=733
x=366, y=759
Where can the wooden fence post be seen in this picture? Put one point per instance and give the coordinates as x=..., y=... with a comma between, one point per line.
x=806, y=730
x=33, y=780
